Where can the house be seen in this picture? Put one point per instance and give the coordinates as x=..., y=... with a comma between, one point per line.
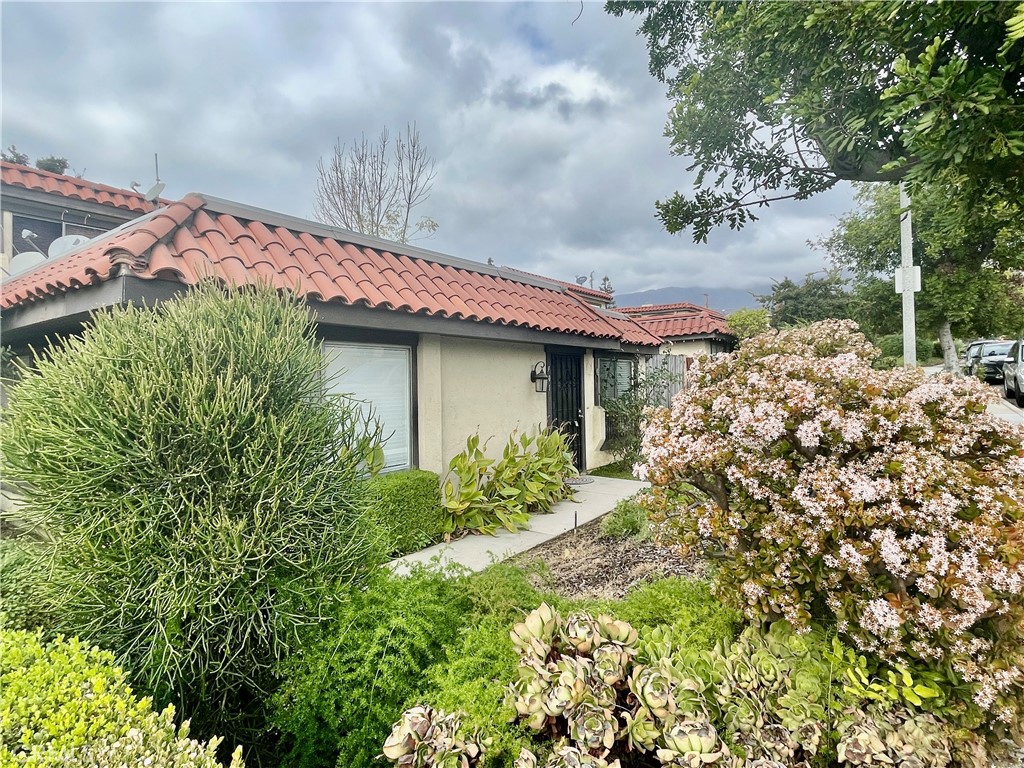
x=688, y=329
x=38, y=207
x=442, y=347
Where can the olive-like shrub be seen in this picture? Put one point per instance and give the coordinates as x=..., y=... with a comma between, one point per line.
x=63, y=703
x=883, y=502
x=203, y=498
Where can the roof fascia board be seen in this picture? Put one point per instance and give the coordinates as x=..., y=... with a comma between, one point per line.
x=35, y=320
x=294, y=223
x=32, y=322
x=33, y=200
x=141, y=291
x=347, y=315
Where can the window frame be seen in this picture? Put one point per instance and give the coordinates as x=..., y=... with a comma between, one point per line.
x=383, y=340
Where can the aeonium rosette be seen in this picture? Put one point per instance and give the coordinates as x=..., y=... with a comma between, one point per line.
x=883, y=501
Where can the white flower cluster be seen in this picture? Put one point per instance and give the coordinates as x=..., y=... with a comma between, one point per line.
x=896, y=497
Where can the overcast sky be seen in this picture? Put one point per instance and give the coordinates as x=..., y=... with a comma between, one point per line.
x=548, y=135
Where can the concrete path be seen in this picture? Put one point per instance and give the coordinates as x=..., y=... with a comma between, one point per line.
x=477, y=552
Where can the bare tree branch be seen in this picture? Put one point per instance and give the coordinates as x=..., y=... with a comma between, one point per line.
x=373, y=187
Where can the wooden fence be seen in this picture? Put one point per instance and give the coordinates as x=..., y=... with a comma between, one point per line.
x=676, y=365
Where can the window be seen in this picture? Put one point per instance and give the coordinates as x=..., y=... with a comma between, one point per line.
x=380, y=377
x=614, y=377
x=46, y=232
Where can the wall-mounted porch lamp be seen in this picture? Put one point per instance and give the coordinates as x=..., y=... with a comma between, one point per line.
x=539, y=376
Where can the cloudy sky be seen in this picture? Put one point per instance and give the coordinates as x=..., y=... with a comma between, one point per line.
x=548, y=135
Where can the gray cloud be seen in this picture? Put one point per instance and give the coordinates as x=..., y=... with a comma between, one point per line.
x=548, y=134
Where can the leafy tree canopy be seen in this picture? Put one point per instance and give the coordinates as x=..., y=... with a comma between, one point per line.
x=817, y=298
x=746, y=323
x=784, y=100
x=969, y=256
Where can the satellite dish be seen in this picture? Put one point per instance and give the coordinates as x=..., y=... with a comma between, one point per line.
x=23, y=262
x=154, y=191
x=62, y=245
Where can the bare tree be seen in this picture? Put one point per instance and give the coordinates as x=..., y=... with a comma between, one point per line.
x=373, y=187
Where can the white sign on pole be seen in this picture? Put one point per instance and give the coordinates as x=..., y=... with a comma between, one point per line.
x=915, y=279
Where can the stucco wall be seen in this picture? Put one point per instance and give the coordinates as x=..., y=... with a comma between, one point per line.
x=688, y=348
x=466, y=386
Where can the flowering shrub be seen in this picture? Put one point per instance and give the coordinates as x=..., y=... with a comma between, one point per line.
x=886, y=502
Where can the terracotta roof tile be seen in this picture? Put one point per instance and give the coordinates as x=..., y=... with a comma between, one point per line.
x=192, y=239
x=679, y=319
x=74, y=188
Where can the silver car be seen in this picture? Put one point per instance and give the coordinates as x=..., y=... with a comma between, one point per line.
x=1013, y=374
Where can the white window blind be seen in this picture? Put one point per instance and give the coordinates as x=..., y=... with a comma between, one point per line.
x=381, y=377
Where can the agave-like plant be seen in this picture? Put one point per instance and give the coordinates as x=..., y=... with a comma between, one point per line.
x=653, y=690
x=580, y=633
x=691, y=743
x=565, y=756
x=534, y=636
x=429, y=738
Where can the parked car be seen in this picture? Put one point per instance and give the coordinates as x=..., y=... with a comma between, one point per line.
x=985, y=358
x=1013, y=373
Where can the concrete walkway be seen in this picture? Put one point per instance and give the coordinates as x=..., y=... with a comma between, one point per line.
x=477, y=552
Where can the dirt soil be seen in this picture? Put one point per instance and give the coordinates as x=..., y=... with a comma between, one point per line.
x=582, y=564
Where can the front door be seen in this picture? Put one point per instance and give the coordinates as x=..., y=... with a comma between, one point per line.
x=565, y=399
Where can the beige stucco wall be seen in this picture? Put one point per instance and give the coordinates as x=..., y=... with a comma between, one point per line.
x=466, y=386
x=688, y=348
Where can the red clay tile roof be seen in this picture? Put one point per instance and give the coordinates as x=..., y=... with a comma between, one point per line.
x=680, y=319
x=632, y=331
x=575, y=287
x=195, y=238
x=69, y=186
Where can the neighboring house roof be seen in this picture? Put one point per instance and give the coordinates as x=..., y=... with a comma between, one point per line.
x=678, y=320
x=582, y=290
x=200, y=237
x=72, y=187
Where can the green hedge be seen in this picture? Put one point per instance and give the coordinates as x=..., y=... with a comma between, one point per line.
x=408, y=507
x=63, y=703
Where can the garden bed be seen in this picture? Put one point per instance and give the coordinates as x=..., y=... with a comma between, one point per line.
x=583, y=564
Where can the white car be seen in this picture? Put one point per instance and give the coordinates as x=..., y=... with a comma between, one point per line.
x=1013, y=374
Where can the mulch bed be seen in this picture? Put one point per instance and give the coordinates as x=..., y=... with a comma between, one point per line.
x=582, y=564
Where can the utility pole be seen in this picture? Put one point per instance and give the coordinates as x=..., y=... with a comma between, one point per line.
x=908, y=281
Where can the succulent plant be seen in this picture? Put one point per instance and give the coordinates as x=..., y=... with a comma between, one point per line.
x=616, y=631
x=593, y=728
x=526, y=759
x=885, y=735
x=580, y=633
x=653, y=690
x=565, y=756
x=690, y=743
x=640, y=730
x=428, y=738
x=611, y=662
x=535, y=634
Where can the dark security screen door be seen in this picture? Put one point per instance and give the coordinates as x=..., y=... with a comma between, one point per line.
x=565, y=399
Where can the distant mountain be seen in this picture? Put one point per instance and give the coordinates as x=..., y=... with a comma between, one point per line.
x=723, y=299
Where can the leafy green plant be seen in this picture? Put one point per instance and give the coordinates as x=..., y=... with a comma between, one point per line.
x=482, y=495
x=339, y=697
x=204, y=499
x=407, y=506
x=627, y=520
x=64, y=703
x=625, y=414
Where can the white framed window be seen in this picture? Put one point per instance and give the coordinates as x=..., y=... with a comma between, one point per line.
x=381, y=377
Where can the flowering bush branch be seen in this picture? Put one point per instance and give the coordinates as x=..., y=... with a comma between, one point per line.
x=883, y=501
